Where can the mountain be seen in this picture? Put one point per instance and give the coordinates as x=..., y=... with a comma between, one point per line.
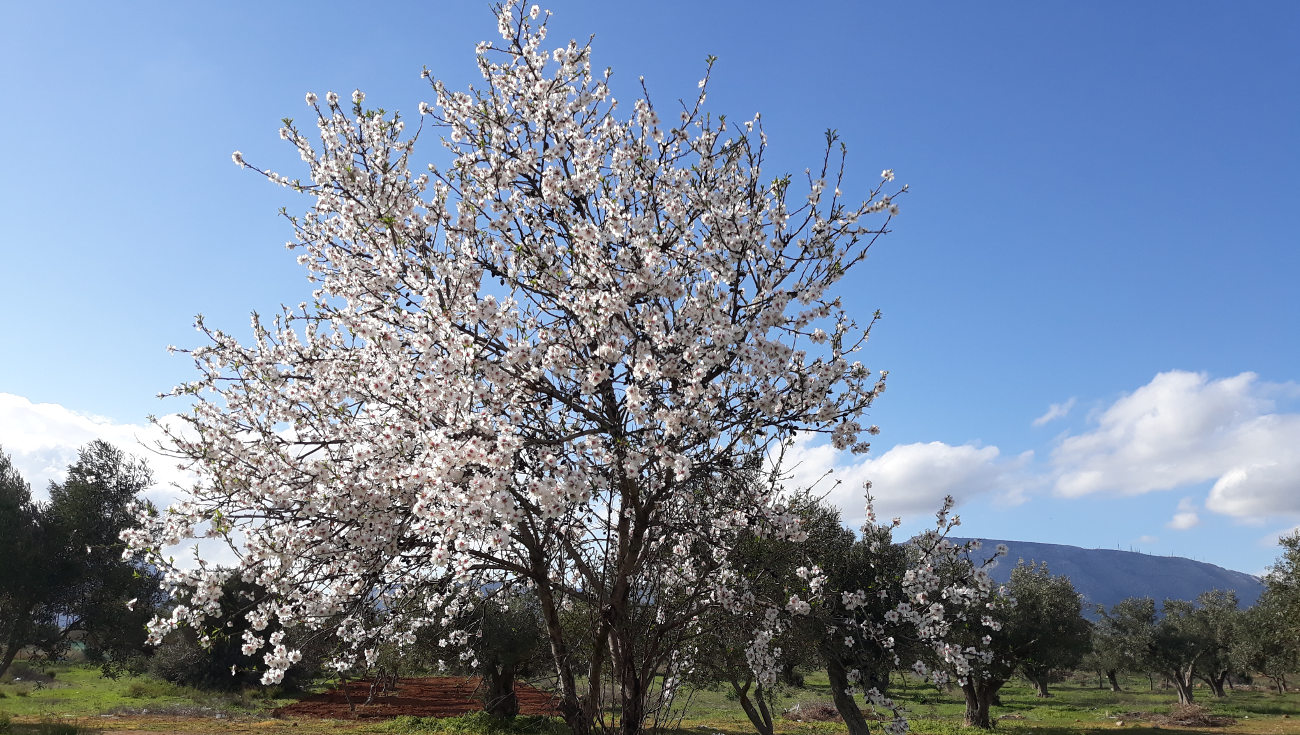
x=1106, y=576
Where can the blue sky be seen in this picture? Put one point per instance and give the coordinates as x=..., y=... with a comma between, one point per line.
x=1096, y=219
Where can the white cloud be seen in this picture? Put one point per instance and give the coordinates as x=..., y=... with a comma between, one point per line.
x=1186, y=517
x=909, y=480
x=42, y=439
x=1261, y=489
x=1183, y=428
x=1054, y=412
x=1147, y=540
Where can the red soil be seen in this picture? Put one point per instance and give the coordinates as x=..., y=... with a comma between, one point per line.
x=435, y=696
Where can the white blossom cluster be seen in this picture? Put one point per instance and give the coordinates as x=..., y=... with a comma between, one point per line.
x=544, y=362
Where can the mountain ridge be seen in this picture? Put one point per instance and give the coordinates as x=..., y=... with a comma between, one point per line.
x=1106, y=576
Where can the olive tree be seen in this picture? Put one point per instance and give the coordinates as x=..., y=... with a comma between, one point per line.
x=1046, y=630
x=64, y=578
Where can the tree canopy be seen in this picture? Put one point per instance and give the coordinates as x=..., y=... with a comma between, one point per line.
x=65, y=579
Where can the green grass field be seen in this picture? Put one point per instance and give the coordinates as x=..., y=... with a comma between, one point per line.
x=77, y=698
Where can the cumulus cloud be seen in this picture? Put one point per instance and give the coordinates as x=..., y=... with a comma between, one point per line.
x=909, y=480
x=1186, y=516
x=1258, y=490
x=1054, y=412
x=43, y=439
x=1182, y=429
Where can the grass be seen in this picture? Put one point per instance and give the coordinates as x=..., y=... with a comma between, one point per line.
x=77, y=697
x=1077, y=707
x=474, y=723
x=79, y=691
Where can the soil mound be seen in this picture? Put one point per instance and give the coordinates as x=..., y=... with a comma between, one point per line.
x=434, y=696
x=1192, y=715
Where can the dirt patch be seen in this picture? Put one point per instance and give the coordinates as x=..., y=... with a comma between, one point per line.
x=813, y=712
x=1192, y=715
x=435, y=696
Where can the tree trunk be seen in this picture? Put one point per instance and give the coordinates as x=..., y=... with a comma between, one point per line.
x=1114, y=683
x=578, y=713
x=11, y=651
x=19, y=630
x=1183, y=682
x=632, y=697
x=844, y=702
x=1216, y=684
x=500, y=698
x=759, y=715
x=790, y=676
x=979, y=696
x=1038, y=677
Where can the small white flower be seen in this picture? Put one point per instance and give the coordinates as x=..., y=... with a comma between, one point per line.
x=887, y=174
x=311, y=98
x=358, y=96
x=238, y=158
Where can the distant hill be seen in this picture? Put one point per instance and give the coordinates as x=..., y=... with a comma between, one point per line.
x=1106, y=576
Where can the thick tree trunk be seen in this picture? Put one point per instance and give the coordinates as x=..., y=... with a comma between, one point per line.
x=500, y=698
x=790, y=676
x=1038, y=676
x=979, y=696
x=1183, y=682
x=1114, y=682
x=20, y=628
x=844, y=702
x=632, y=698
x=11, y=650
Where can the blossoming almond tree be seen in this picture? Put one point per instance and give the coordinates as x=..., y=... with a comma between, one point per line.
x=548, y=364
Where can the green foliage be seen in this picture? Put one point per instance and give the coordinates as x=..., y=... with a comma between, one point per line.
x=477, y=723
x=21, y=578
x=154, y=689
x=1283, y=581
x=1045, y=630
x=69, y=580
x=1265, y=643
